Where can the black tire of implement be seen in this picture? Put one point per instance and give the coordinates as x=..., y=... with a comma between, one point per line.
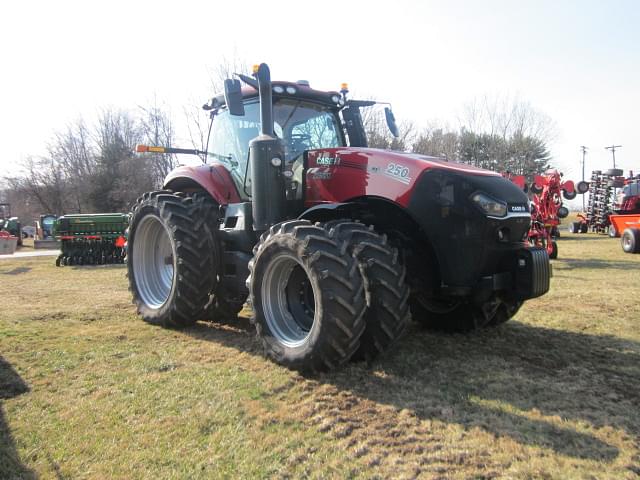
x=387, y=315
x=584, y=228
x=563, y=212
x=193, y=263
x=339, y=324
x=554, y=250
x=574, y=227
x=221, y=305
x=630, y=240
x=535, y=188
x=569, y=195
x=615, y=183
x=614, y=172
x=582, y=187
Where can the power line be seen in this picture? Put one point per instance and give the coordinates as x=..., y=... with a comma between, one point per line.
x=613, y=152
x=584, y=153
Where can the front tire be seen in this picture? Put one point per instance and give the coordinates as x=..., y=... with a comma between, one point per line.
x=387, y=315
x=169, y=263
x=307, y=296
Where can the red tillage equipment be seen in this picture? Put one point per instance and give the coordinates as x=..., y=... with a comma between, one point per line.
x=629, y=225
x=546, y=211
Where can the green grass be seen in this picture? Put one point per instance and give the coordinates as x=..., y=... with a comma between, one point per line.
x=87, y=390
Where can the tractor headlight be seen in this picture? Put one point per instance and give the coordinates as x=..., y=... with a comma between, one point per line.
x=489, y=205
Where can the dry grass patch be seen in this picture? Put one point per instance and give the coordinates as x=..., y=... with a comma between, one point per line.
x=90, y=391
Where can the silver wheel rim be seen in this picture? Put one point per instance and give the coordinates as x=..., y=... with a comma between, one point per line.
x=153, y=262
x=289, y=300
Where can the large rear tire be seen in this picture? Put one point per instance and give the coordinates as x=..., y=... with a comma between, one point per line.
x=169, y=262
x=222, y=305
x=387, y=314
x=308, y=297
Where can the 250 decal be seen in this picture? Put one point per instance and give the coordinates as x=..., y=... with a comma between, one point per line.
x=398, y=172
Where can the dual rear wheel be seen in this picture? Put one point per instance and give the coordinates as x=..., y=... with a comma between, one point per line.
x=323, y=294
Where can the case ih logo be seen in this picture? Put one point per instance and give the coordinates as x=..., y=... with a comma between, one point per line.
x=517, y=208
x=327, y=160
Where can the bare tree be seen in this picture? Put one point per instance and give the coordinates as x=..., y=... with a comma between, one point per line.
x=157, y=129
x=73, y=152
x=42, y=181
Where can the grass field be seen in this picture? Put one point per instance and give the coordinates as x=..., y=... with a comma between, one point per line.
x=87, y=390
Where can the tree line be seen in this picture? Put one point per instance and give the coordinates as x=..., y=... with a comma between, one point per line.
x=93, y=168
x=506, y=135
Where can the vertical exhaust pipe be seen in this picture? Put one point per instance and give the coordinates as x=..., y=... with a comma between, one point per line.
x=266, y=158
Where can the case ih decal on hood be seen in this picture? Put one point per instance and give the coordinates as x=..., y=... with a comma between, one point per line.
x=340, y=174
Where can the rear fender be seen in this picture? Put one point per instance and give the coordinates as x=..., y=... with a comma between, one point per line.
x=214, y=178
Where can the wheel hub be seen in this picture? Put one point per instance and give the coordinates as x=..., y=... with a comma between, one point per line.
x=153, y=262
x=288, y=300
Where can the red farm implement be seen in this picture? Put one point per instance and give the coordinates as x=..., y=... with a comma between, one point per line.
x=546, y=211
x=609, y=193
x=629, y=225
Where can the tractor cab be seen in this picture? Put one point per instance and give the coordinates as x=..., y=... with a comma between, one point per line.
x=303, y=119
x=628, y=198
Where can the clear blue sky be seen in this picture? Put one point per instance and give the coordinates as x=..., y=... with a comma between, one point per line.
x=578, y=61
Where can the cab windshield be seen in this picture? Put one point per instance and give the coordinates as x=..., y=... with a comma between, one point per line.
x=301, y=125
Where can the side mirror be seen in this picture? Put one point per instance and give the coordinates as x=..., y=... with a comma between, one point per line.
x=391, y=122
x=233, y=97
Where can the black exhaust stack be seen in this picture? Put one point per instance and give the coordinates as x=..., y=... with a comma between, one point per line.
x=266, y=157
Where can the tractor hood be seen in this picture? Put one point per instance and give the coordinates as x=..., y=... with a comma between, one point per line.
x=342, y=174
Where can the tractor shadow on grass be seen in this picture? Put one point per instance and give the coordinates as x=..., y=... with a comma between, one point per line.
x=518, y=381
x=11, y=385
x=512, y=381
x=594, y=264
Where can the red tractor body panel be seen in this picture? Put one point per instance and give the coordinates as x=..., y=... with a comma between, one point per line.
x=214, y=178
x=341, y=174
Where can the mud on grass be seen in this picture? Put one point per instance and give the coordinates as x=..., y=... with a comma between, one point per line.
x=89, y=391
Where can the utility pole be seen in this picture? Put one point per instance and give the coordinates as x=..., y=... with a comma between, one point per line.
x=584, y=153
x=613, y=152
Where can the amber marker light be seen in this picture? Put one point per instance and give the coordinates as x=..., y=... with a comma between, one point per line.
x=255, y=68
x=141, y=148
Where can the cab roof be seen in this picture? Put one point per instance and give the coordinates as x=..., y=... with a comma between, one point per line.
x=290, y=90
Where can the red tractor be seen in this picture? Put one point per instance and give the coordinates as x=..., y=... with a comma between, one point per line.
x=334, y=244
x=625, y=221
x=626, y=201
